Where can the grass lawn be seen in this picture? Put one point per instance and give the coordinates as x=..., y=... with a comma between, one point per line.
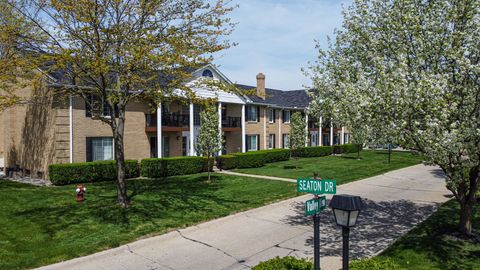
x=44, y=225
x=433, y=245
x=345, y=168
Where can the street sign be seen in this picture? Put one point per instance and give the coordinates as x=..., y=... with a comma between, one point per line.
x=314, y=186
x=315, y=205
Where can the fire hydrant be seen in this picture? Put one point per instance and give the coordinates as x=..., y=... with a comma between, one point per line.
x=80, y=191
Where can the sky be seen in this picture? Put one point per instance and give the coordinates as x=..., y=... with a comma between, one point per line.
x=277, y=38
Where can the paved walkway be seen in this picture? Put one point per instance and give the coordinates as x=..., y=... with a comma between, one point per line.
x=257, y=176
x=395, y=203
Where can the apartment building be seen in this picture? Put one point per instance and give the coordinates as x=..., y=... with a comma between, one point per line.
x=62, y=130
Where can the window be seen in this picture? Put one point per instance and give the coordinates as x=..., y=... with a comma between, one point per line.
x=253, y=113
x=271, y=141
x=207, y=73
x=346, y=139
x=252, y=142
x=271, y=115
x=99, y=106
x=196, y=114
x=99, y=148
x=286, y=140
x=286, y=116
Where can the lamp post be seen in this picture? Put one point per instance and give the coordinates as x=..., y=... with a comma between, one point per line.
x=346, y=209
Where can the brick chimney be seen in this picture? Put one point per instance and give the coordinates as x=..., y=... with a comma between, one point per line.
x=261, y=85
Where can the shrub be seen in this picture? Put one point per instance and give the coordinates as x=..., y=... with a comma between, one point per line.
x=162, y=167
x=315, y=151
x=347, y=148
x=285, y=263
x=74, y=173
x=250, y=159
x=274, y=155
x=374, y=264
x=227, y=162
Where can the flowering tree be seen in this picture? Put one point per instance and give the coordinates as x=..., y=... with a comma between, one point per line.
x=210, y=139
x=297, y=132
x=410, y=70
x=113, y=52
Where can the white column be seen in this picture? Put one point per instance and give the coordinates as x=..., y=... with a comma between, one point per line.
x=159, y=131
x=343, y=136
x=243, y=128
x=320, y=134
x=331, y=132
x=192, y=149
x=306, y=129
x=280, y=115
x=220, y=124
x=70, y=126
x=265, y=146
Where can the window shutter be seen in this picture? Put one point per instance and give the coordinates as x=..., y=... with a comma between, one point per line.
x=88, y=108
x=283, y=116
x=258, y=114
x=246, y=112
x=258, y=142
x=274, y=115
x=89, y=149
x=247, y=143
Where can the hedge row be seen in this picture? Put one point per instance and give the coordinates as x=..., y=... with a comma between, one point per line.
x=259, y=158
x=252, y=159
x=347, y=148
x=73, y=173
x=275, y=155
x=315, y=151
x=161, y=167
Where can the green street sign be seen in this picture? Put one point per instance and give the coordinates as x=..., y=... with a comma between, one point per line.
x=315, y=205
x=316, y=186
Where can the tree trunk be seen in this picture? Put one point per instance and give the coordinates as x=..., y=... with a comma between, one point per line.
x=118, y=131
x=389, y=152
x=209, y=166
x=465, y=226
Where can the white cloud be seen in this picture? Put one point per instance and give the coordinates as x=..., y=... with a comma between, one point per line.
x=277, y=38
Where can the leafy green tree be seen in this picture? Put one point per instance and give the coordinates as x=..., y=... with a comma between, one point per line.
x=209, y=139
x=119, y=51
x=410, y=69
x=298, y=133
x=17, y=64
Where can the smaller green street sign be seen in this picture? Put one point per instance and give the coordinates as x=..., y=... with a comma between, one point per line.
x=315, y=205
x=316, y=186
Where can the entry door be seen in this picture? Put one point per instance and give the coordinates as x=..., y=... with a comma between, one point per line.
x=166, y=146
x=153, y=147
x=326, y=139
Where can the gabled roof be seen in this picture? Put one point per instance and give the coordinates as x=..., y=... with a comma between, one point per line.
x=279, y=98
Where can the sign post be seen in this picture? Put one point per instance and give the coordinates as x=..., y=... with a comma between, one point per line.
x=315, y=206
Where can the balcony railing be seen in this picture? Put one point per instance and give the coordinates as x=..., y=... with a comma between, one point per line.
x=183, y=120
x=168, y=120
x=232, y=122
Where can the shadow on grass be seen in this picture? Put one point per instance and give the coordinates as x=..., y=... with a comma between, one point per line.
x=151, y=201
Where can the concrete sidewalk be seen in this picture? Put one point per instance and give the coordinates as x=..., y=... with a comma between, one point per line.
x=395, y=203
